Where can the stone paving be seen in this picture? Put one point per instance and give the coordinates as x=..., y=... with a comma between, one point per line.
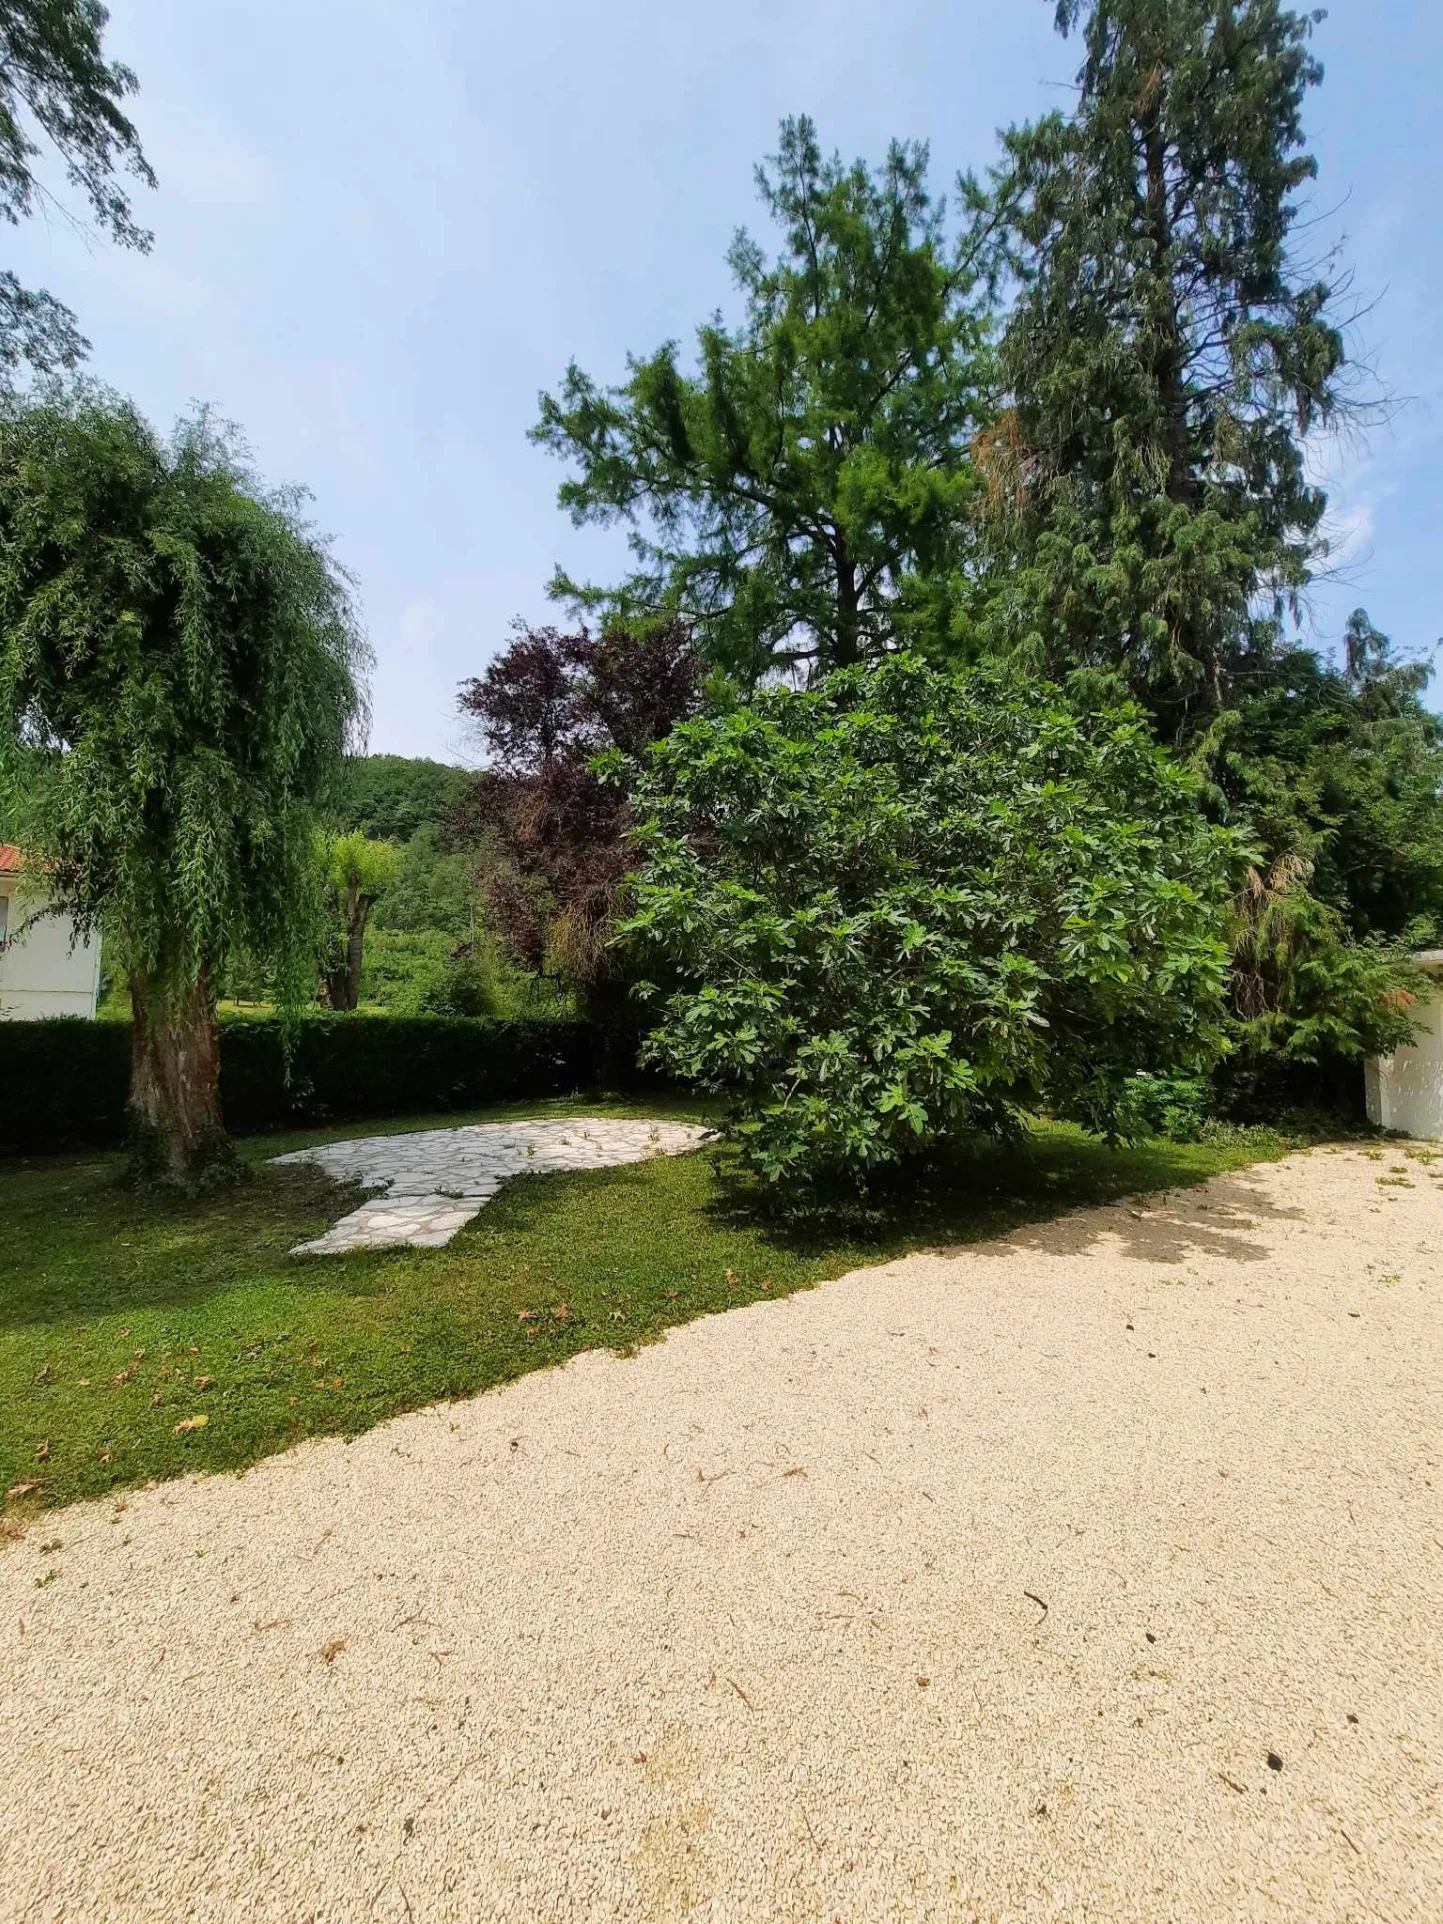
x=436, y=1180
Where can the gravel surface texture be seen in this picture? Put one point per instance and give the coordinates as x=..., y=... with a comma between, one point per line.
x=1091, y=1574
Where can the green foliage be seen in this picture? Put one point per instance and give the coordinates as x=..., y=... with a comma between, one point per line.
x=394, y=797
x=1177, y=1107
x=907, y=906
x=178, y=677
x=1302, y=990
x=400, y=965
x=426, y=949
x=1166, y=355
x=1339, y=777
x=465, y=986
x=75, y=1073
x=422, y=972
x=1342, y=769
x=432, y=889
x=55, y=82
x=355, y=872
x=1149, y=512
x=355, y=865
x=795, y=495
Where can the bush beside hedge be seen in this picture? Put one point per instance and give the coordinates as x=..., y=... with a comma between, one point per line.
x=64, y=1081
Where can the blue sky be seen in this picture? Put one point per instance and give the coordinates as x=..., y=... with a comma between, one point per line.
x=383, y=225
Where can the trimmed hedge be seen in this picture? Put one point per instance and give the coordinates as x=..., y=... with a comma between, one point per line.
x=64, y=1081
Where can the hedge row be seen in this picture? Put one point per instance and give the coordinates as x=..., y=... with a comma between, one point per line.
x=64, y=1081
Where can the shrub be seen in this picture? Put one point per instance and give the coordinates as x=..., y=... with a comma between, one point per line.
x=909, y=905
x=1177, y=1107
x=74, y=1073
x=463, y=986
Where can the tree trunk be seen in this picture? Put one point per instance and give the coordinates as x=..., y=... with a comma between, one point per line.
x=355, y=946
x=849, y=602
x=1168, y=350
x=341, y=984
x=1168, y=373
x=176, y=1132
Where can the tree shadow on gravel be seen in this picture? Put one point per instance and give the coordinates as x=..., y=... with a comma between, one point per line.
x=1165, y=1229
x=1036, y=1195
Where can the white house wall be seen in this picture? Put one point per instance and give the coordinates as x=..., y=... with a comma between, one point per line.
x=41, y=972
x=1405, y=1090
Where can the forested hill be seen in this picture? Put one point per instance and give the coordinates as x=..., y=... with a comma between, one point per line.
x=389, y=797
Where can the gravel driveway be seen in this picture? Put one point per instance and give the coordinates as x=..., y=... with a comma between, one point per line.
x=1095, y=1573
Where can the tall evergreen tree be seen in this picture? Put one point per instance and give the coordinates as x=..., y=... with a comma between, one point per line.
x=1168, y=354
x=792, y=498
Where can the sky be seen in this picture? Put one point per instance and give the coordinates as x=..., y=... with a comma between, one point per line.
x=382, y=227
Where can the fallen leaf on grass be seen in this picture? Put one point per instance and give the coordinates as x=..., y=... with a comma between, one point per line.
x=562, y=1313
x=189, y=1423
x=731, y=1279
x=27, y=1488
x=525, y=1315
x=205, y=1382
x=42, y=1449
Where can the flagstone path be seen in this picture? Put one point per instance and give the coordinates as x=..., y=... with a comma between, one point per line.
x=436, y=1180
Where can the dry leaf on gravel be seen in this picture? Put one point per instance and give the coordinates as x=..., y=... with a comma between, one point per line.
x=330, y=1651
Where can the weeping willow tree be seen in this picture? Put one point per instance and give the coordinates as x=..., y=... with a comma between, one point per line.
x=180, y=678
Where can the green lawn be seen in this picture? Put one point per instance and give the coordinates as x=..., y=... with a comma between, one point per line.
x=122, y=1317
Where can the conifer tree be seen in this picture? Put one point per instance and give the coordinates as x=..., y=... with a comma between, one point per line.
x=1169, y=352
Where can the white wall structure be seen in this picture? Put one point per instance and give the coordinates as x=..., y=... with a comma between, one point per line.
x=1405, y=1090
x=43, y=969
